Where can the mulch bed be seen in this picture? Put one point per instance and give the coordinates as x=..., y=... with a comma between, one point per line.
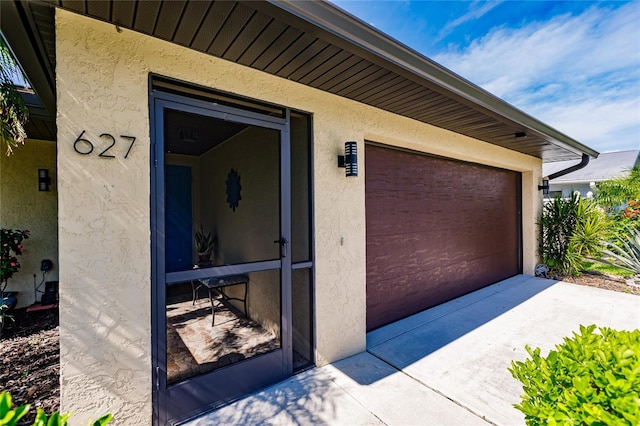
x=607, y=282
x=30, y=361
x=30, y=350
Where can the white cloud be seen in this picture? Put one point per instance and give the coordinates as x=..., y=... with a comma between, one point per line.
x=580, y=74
x=475, y=12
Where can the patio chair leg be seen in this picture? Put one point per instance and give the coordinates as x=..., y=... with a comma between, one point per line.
x=213, y=309
x=244, y=300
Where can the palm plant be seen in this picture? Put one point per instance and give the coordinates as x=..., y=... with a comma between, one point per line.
x=616, y=192
x=13, y=111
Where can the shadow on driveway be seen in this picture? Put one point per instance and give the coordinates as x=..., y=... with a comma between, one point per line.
x=424, y=333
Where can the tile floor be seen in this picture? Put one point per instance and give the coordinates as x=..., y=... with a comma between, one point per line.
x=194, y=346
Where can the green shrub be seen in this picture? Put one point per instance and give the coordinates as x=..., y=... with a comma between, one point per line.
x=570, y=230
x=590, y=379
x=10, y=416
x=613, y=193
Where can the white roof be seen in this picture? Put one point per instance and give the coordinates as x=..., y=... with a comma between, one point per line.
x=608, y=165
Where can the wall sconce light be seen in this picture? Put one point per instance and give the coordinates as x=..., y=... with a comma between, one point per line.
x=350, y=159
x=44, y=181
x=544, y=187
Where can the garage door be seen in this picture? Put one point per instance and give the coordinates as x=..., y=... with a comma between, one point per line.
x=436, y=229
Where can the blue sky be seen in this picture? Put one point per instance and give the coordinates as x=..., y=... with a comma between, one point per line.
x=574, y=65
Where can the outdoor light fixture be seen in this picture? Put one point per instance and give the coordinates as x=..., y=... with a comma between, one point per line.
x=350, y=159
x=544, y=187
x=44, y=181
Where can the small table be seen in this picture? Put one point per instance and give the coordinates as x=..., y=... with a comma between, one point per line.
x=214, y=284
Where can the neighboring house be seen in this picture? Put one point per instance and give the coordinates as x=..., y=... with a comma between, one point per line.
x=156, y=118
x=608, y=165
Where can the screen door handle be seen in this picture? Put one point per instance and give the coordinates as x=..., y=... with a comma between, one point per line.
x=283, y=246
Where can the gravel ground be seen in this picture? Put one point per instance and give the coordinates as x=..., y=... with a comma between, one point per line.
x=30, y=350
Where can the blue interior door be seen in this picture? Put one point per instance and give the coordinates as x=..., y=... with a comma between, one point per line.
x=178, y=254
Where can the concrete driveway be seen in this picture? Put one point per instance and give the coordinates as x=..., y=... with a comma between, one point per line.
x=444, y=366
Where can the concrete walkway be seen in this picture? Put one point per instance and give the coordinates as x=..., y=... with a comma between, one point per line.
x=444, y=366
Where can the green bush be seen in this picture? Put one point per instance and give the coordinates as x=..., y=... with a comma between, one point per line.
x=571, y=229
x=590, y=379
x=613, y=193
x=10, y=416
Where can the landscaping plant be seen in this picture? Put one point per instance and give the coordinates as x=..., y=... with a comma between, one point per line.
x=620, y=197
x=625, y=253
x=11, y=416
x=10, y=248
x=570, y=230
x=13, y=111
x=590, y=379
x=613, y=193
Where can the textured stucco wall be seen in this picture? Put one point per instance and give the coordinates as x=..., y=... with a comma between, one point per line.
x=104, y=205
x=104, y=225
x=22, y=206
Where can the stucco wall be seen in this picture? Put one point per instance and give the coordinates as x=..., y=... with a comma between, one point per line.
x=22, y=206
x=247, y=234
x=102, y=81
x=104, y=224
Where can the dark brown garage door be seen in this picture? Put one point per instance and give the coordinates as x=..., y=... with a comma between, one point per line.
x=436, y=229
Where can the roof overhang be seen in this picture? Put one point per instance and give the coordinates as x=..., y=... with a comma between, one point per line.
x=25, y=37
x=312, y=43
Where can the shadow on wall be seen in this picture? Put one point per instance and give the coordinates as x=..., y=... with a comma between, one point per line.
x=105, y=322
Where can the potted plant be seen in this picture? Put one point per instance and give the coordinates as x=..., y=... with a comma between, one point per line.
x=205, y=245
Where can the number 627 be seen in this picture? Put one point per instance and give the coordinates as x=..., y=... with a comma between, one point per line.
x=84, y=146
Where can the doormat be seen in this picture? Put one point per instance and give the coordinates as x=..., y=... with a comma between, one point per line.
x=195, y=347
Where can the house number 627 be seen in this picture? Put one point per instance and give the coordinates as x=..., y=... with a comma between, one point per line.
x=85, y=146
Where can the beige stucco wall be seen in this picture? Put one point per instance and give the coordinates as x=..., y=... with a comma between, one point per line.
x=247, y=234
x=104, y=225
x=102, y=79
x=22, y=206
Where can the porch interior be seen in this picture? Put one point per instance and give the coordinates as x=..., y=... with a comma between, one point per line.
x=196, y=346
